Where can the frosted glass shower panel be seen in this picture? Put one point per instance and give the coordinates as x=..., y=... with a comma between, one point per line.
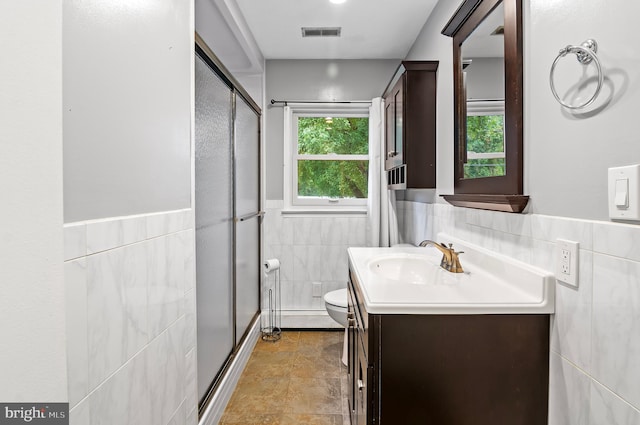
x=247, y=273
x=214, y=224
x=247, y=159
x=247, y=139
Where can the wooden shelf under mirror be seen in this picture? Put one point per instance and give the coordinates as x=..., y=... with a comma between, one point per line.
x=488, y=86
x=505, y=203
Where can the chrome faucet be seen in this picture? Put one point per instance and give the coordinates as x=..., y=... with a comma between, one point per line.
x=450, y=261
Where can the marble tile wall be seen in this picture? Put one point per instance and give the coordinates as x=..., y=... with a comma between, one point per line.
x=595, y=335
x=131, y=338
x=310, y=249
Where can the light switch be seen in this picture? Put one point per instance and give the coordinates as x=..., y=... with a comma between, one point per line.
x=624, y=193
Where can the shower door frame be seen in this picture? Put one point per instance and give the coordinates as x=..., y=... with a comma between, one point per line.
x=206, y=54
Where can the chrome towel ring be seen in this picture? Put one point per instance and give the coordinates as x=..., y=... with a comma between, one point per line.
x=586, y=53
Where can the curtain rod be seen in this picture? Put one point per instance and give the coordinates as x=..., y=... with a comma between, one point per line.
x=286, y=102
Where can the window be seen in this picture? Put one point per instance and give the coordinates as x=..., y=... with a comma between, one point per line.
x=485, y=139
x=327, y=159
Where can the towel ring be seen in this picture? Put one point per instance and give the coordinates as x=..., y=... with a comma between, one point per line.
x=586, y=53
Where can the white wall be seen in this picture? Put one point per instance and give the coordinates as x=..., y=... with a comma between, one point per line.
x=129, y=240
x=127, y=120
x=130, y=307
x=567, y=155
x=224, y=29
x=32, y=330
x=311, y=249
x=485, y=78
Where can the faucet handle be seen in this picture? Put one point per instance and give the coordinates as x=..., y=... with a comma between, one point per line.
x=453, y=250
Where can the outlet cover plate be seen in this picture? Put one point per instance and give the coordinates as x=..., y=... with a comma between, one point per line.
x=567, y=261
x=316, y=289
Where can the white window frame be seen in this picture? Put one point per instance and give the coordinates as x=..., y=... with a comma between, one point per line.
x=486, y=107
x=292, y=201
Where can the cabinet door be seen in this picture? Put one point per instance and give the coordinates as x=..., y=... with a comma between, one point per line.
x=352, y=360
x=363, y=371
x=394, y=126
x=390, y=144
x=398, y=120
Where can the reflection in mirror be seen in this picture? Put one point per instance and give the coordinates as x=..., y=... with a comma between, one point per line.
x=483, y=79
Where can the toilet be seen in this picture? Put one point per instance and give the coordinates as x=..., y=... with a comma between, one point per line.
x=336, y=304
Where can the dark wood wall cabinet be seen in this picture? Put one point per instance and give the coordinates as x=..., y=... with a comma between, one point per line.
x=446, y=369
x=410, y=122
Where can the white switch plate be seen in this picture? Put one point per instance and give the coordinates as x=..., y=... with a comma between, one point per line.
x=621, y=177
x=567, y=261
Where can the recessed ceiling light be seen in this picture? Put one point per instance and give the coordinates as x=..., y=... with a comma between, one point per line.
x=337, y=1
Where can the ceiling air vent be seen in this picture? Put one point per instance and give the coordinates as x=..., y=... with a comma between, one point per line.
x=321, y=31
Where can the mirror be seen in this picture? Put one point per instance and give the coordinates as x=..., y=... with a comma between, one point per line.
x=483, y=84
x=487, y=56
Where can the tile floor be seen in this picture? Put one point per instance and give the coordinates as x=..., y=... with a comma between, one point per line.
x=298, y=380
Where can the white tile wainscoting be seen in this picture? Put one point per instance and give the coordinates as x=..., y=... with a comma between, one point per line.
x=311, y=248
x=131, y=325
x=595, y=336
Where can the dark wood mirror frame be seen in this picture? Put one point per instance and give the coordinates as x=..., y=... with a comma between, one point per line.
x=500, y=193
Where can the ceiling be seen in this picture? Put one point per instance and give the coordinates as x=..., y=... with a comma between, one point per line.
x=371, y=29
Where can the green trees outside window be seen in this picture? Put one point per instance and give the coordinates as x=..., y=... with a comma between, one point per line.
x=332, y=157
x=485, y=146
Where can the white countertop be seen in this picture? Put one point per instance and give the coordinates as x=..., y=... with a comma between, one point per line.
x=491, y=284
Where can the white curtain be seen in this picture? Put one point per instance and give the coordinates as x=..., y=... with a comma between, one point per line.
x=383, y=222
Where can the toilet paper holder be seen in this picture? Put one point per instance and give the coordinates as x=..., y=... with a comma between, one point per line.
x=271, y=323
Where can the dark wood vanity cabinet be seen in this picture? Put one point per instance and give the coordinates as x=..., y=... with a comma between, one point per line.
x=446, y=369
x=410, y=126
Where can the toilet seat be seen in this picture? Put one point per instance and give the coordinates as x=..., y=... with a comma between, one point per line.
x=336, y=304
x=337, y=298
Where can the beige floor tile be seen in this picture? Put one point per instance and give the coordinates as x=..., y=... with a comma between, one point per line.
x=313, y=365
x=296, y=419
x=287, y=342
x=249, y=418
x=297, y=380
x=314, y=396
x=270, y=367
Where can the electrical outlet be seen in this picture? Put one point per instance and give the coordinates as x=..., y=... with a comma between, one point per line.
x=567, y=261
x=316, y=289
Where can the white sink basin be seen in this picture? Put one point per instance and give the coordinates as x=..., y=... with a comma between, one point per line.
x=407, y=268
x=409, y=280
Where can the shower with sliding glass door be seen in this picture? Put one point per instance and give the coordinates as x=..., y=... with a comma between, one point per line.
x=228, y=217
